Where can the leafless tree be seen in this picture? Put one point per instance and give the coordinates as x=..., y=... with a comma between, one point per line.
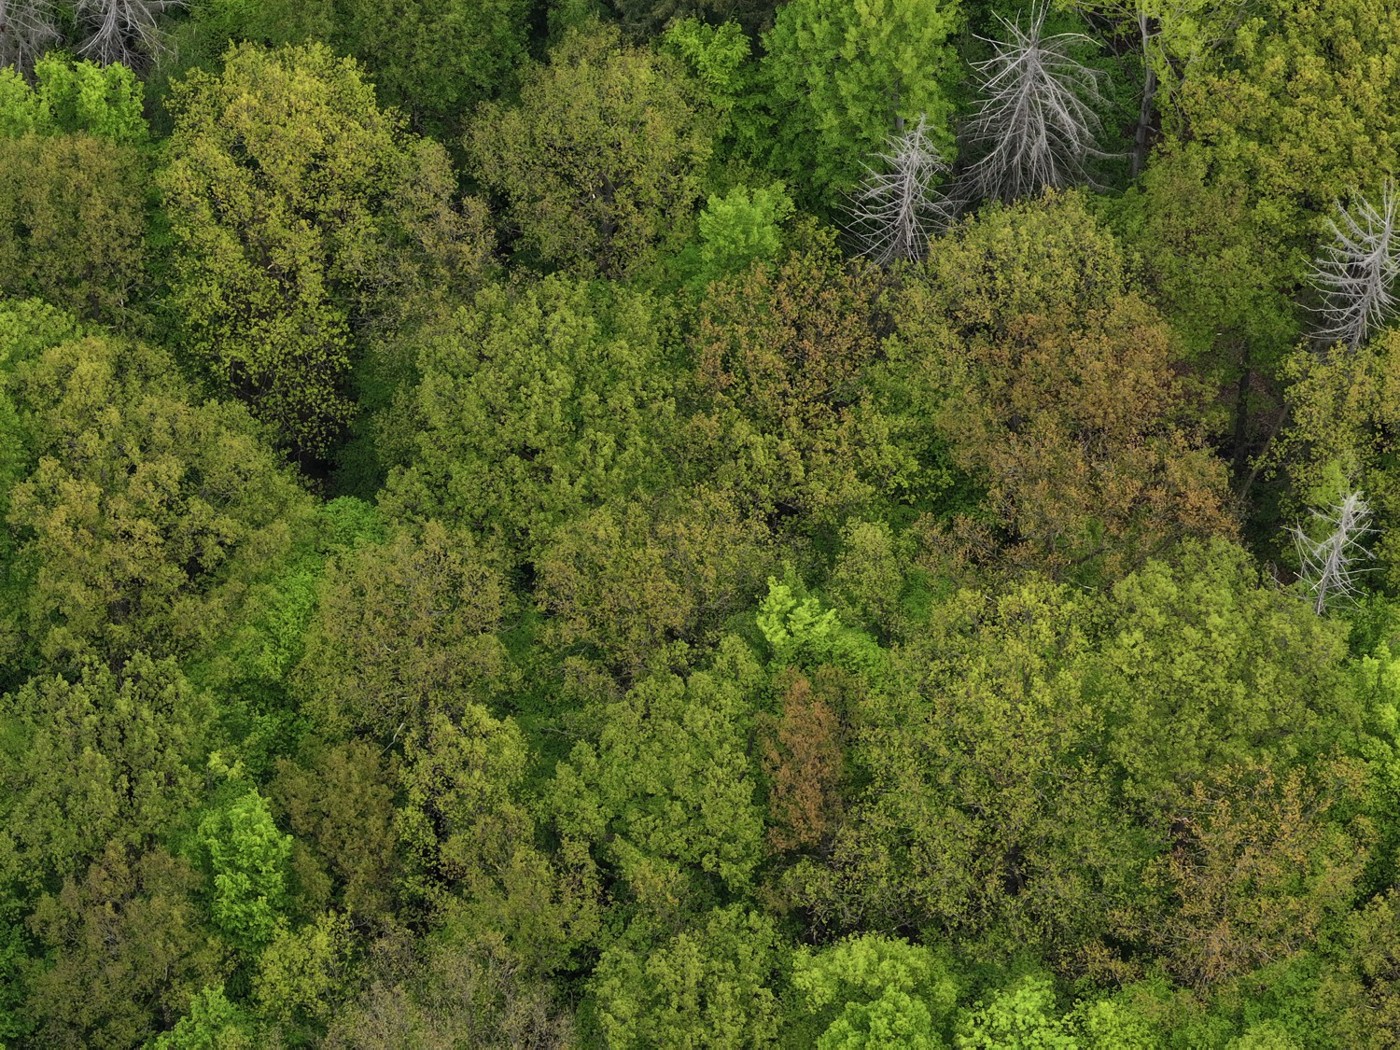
x=898, y=208
x=27, y=28
x=1035, y=126
x=1331, y=565
x=1356, y=272
x=122, y=31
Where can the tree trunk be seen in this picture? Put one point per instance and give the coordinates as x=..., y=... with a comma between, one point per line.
x=1149, y=94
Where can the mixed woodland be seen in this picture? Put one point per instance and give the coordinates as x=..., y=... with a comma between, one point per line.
x=699, y=523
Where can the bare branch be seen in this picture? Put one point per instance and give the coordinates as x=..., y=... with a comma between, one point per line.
x=1035, y=126
x=122, y=31
x=897, y=209
x=27, y=29
x=1356, y=272
x=1330, y=565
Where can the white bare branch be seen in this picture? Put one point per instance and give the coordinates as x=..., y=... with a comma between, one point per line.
x=897, y=208
x=1356, y=272
x=1035, y=126
x=27, y=29
x=1330, y=566
x=122, y=31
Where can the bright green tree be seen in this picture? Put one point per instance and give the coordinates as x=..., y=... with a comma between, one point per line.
x=871, y=991
x=843, y=76
x=247, y=857
x=70, y=97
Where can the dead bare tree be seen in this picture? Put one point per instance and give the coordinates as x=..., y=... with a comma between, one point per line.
x=1035, y=126
x=27, y=29
x=1330, y=566
x=898, y=207
x=1357, y=270
x=122, y=31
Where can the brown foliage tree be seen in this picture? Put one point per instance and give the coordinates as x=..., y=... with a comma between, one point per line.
x=802, y=758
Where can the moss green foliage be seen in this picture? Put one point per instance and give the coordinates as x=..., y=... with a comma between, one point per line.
x=287, y=189
x=487, y=563
x=602, y=159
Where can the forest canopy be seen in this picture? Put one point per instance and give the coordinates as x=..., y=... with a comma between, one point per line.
x=699, y=523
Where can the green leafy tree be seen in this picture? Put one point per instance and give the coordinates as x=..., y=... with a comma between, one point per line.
x=447, y=993
x=783, y=418
x=666, y=796
x=404, y=630
x=247, y=857
x=125, y=950
x=1022, y=1016
x=1295, y=103
x=1052, y=384
x=870, y=991
x=982, y=803
x=339, y=805
x=1190, y=634
x=433, y=59
x=290, y=193
x=602, y=159
x=69, y=97
x=1342, y=414
x=211, y=1023
x=623, y=583
x=843, y=76
x=106, y=759
x=705, y=986
x=738, y=229
x=143, y=516
x=72, y=222
x=1217, y=272
x=301, y=973
x=469, y=838
x=537, y=404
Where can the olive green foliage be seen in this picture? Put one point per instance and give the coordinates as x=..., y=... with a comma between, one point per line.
x=404, y=630
x=108, y=758
x=288, y=189
x=436, y=60
x=144, y=516
x=602, y=159
x=538, y=403
x=433, y=61
x=104, y=980
x=72, y=222
x=783, y=417
x=1054, y=388
x=842, y=77
x=671, y=754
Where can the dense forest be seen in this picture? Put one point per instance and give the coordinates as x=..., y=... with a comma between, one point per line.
x=699, y=523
